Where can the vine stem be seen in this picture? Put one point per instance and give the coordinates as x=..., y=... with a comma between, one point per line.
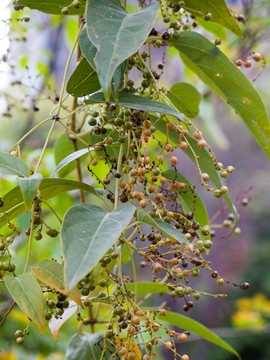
x=29, y=241
x=45, y=146
x=118, y=180
x=30, y=132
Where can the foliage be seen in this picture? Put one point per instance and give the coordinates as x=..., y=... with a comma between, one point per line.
x=125, y=134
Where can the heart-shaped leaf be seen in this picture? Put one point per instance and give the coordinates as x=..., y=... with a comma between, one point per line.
x=117, y=36
x=27, y=293
x=11, y=165
x=29, y=186
x=87, y=234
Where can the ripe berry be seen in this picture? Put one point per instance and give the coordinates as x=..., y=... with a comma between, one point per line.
x=143, y=203
x=245, y=286
x=132, y=356
x=165, y=35
x=122, y=351
x=182, y=338
x=197, y=135
x=162, y=312
x=257, y=57
x=183, y=145
x=168, y=345
x=247, y=63
x=185, y=357
x=173, y=160
x=202, y=144
x=239, y=62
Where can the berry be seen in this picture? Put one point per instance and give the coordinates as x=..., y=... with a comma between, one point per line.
x=168, y=345
x=245, y=286
x=18, y=333
x=20, y=340
x=182, y=338
x=220, y=281
x=202, y=144
x=64, y=11
x=257, y=57
x=247, y=63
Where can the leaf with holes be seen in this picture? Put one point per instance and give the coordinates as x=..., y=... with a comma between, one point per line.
x=27, y=293
x=87, y=234
x=29, y=186
x=218, y=72
x=116, y=35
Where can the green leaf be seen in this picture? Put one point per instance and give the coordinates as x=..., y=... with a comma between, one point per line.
x=166, y=229
x=83, y=81
x=144, y=288
x=217, y=71
x=186, y=98
x=124, y=35
x=29, y=187
x=11, y=165
x=88, y=346
x=88, y=49
x=213, y=28
x=187, y=199
x=219, y=11
x=52, y=6
x=87, y=234
x=194, y=326
x=118, y=78
x=26, y=292
x=137, y=102
x=72, y=157
x=205, y=161
x=49, y=188
x=52, y=273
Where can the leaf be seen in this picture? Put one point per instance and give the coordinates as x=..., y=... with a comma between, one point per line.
x=186, y=98
x=55, y=324
x=219, y=11
x=88, y=49
x=87, y=234
x=88, y=346
x=51, y=273
x=144, y=288
x=118, y=78
x=49, y=188
x=72, y=157
x=83, y=81
x=205, y=161
x=166, y=229
x=194, y=326
x=26, y=292
x=137, y=102
x=116, y=35
x=29, y=187
x=11, y=165
x=213, y=28
x=187, y=200
x=52, y=6
x=217, y=71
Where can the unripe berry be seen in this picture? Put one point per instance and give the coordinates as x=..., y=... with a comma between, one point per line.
x=220, y=281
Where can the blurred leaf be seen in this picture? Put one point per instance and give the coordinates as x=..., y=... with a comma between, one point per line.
x=49, y=188
x=186, y=98
x=190, y=200
x=144, y=288
x=29, y=186
x=26, y=292
x=10, y=164
x=166, y=229
x=118, y=78
x=194, y=326
x=213, y=28
x=87, y=234
x=125, y=34
x=83, y=81
x=137, y=102
x=52, y=6
x=55, y=324
x=219, y=11
x=217, y=71
x=84, y=347
x=52, y=273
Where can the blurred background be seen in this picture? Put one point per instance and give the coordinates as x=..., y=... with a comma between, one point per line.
x=32, y=60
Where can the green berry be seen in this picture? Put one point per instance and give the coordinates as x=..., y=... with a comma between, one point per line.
x=20, y=340
x=64, y=11
x=18, y=333
x=102, y=283
x=48, y=316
